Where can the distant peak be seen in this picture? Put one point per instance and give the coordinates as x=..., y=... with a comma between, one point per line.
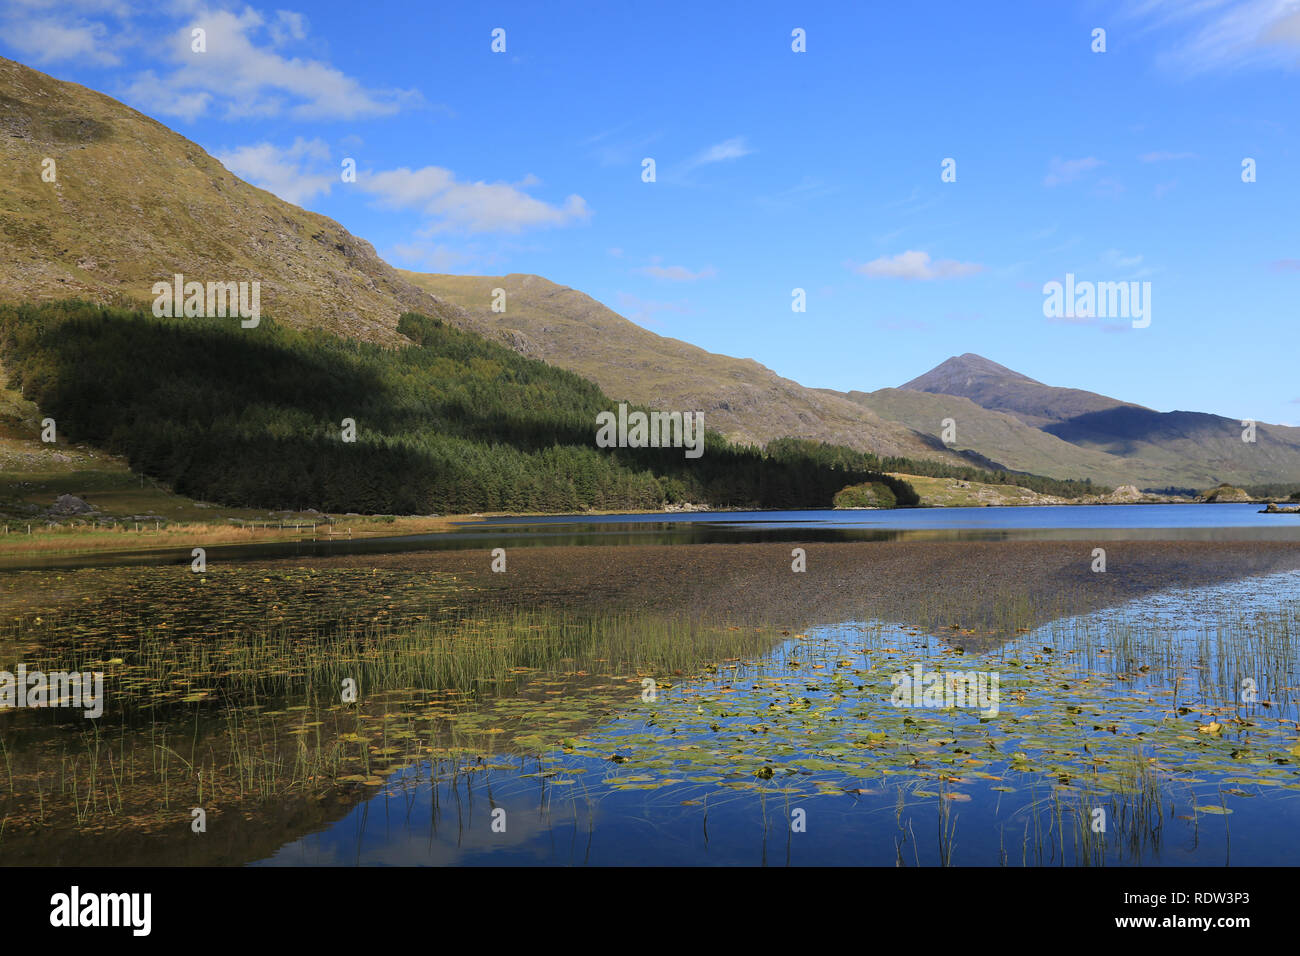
x=967, y=365
x=973, y=362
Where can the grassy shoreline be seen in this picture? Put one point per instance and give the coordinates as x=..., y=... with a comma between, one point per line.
x=125, y=535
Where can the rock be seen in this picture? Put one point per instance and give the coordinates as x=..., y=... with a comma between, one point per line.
x=71, y=505
x=1124, y=493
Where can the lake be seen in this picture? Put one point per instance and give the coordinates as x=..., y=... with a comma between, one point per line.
x=1207, y=522
x=392, y=701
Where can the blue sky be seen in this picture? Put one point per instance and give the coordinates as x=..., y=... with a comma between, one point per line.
x=779, y=170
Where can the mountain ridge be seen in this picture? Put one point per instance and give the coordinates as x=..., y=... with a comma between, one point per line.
x=1097, y=436
x=134, y=202
x=743, y=399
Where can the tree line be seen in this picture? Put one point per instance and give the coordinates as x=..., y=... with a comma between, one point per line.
x=843, y=457
x=451, y=424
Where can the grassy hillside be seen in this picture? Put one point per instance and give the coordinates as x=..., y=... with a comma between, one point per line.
x=743, y=400
x=1025, y=424
x=134, y=203
x=1009, y=441
x=958, y=493
x=451, y=424
x=845, y=458
x=1201, y=449
x=998, y=388
x=33, y=474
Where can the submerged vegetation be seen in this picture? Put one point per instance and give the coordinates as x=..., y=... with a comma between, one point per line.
x=229, y=692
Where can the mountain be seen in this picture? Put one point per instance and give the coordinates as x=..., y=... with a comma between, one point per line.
x=742, y=399
x=1027, y=425
x=997, y=387
x=134, y=203
x=1208, y=448
x=1003, y=438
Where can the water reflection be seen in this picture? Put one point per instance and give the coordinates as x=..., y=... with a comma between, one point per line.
x=1190, y=522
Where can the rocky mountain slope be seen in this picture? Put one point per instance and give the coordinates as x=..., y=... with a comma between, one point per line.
x=744, y=400
x=1029, y=426
x=133, y=203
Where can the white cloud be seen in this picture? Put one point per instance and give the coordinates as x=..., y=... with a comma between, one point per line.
x=247, y=69
x=1068, y=170
x=406, y=188
x=470, y=207
x=285, y=172
x=47, y=40
x=1160, y=157
x=724, y=152
x=618, y=147
x=1214, y=35
x=149, y=92
x=1117, y=259
x=677, y=273
x=733, y=148
x=917, y=265
x=1116, y=264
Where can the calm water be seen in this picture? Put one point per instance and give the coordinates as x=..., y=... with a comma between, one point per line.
x=1207, y=522
x=792, y=751
x=716, y=770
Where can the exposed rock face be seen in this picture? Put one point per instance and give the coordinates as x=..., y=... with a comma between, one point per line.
x=1124, y=493
x=71, y=505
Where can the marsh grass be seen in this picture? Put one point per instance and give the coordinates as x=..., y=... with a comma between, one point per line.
x=38, y=535
x=1113, y=711
x=256, y=718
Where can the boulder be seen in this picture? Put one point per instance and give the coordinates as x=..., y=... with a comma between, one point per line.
x=71, y=505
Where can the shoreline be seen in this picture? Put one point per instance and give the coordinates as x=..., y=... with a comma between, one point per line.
x=71, y=542
x=986, y=589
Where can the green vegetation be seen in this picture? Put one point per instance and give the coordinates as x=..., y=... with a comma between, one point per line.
x=1225, y=492
x=577, y=333
x=839, y=456
x=956, y=493
x=1274, y=489
x=1061, y=488
x=1173, y=491
x=872, y=494
x=454, y=424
